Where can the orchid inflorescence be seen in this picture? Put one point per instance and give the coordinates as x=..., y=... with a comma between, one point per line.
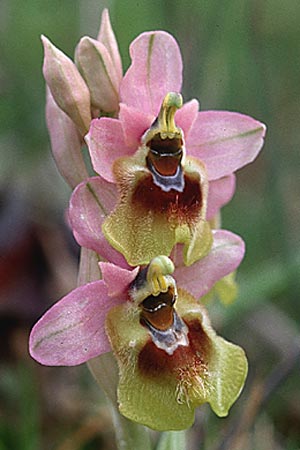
x=150, y=212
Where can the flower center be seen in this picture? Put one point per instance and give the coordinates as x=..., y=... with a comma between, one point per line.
x=158, y=310
x=164, y=155
x=169, y=339
x=166, y=146
x=154, y=290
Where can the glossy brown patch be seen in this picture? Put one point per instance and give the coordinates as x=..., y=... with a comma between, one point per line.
x=161, y=319
x=158, y=310
x=154, y=362
x=184, y=206
x=165, y=154
x=165, y=165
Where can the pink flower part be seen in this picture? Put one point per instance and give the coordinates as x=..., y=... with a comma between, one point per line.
x=106, y=143
x=117, y=279
x=72, y=331
x=225, y=141
x=186, y=115
x=110, y=139
x=226, y=253
x=95, y=65
x=134, y=124
x=90, y=203
x=67, y=86
x=65, y=143
x=107, y=37
x=156, y=69
x=220, y=192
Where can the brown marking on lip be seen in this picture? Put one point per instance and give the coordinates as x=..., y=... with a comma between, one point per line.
x=184, y=206
x=154, y=362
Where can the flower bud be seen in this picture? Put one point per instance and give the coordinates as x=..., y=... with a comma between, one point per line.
x=67, y=86
x=98, y=70
x=65, y=143
x=107, y=37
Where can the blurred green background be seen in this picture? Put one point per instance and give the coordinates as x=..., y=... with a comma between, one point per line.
x=240, y=55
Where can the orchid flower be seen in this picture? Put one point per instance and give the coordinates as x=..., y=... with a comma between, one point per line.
x=173, y=166
x=169, y=357
x=165, y=156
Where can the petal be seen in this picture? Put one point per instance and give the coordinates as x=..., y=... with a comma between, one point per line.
x=134, y=124
x=155, y=220
x=229, y=370
x=220, y=192
x=224, y=257
x=67, y=86
x=186, y=116
x=149, y=401
x=227, y=365
x=72, y=331
x=197, y=244
x=117, y=279
x=106, y=143
x=138, y=236
x=90, y=203
x=225, y=141
x=65, y=143
x=107, y=37
x=156, y=69
x=161, y=390
x=96, y=66
x=197, y=239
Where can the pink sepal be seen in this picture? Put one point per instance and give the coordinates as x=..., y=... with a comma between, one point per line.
x=134, y=124
x=72, y=331
x=225, y=141
x=156, y=69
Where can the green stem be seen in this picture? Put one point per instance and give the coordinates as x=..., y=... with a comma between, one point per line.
x=105, y=371
x=130, y=435
x=172, y=440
